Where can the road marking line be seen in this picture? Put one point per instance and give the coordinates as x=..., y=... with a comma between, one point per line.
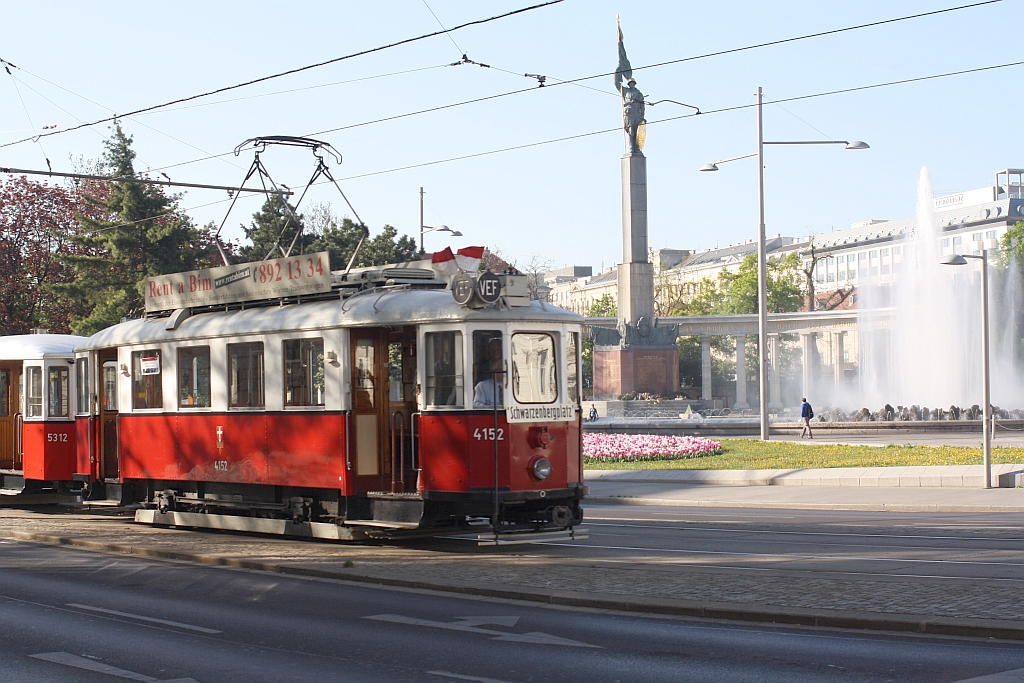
x=68, y=659
x=535, y=637
x=165, y=622
x=1015, y=676
x=484, y=621
x=462, y=677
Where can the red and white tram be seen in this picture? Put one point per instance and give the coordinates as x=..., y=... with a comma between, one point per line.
x=37, y=423
x=383, y=403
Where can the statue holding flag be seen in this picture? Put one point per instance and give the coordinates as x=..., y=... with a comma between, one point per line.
x=632, y=100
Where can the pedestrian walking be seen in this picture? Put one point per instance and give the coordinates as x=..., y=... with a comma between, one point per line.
x=806, y=413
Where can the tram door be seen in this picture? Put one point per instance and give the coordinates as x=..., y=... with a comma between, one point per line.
x=110, y=465
x=10, y=418
x=383, y=385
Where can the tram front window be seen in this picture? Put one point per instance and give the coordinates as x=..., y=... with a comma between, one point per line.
x=533, y=368
x=58, y=381
x=571, y=366
x=444, y=369
x=34, y=392
x=488, y=369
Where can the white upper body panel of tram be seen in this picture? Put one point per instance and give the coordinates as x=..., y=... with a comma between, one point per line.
x=39, y=346
x=374, y=308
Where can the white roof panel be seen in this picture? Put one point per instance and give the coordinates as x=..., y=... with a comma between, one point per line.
x=372, y=309
x=37, y=346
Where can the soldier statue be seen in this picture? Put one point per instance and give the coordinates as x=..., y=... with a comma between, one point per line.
x=632, y=98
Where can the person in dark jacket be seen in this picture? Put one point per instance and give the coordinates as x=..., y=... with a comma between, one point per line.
x=806, y=413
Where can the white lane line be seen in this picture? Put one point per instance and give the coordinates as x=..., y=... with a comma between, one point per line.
x=463, y=677
x=802, y=533
x=1015, y=676
x=68, y=659
x=779, y=556
x=139, y=617
x=535, y=637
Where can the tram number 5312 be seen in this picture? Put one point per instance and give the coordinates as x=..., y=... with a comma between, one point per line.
x=56, y=437
x=489, y=434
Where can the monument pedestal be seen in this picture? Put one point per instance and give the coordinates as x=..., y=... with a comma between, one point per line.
x=629, y=370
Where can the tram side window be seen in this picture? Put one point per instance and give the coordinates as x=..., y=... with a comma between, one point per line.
x=194, y=377
x=147, y=392
x=245, y=375
x=82, y=386
x=5, y=393
x=488, y=369
x=33, y=391
x=304, y=372
x=534, y=379
x=57, y=380
x=445, y=371
x=571, y=367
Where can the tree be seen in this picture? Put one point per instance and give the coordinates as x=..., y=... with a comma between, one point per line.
x=36, y=224
x=273, y=229
x=735, y=293
x=808, y=270
x=129, y=232
x=340, y=239
x=1011, y=247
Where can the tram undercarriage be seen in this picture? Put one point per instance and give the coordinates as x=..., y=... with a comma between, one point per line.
x=325, y=514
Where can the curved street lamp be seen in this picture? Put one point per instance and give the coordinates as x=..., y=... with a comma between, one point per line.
x=762, y=287
x=426, y=228
x=986, y=450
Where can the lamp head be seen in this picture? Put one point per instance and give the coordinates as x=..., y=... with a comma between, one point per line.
x=456, y=233
x=709, y=167
x=443, y=228
x=954, y=260
x=857, y=144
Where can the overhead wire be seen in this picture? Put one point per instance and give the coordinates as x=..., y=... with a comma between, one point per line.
x=604, y=74
x=619, y=128
x=300, y=69
x=7, y=67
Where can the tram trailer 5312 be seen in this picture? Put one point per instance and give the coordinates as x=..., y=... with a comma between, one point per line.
x=392, y=403
x=37, y=422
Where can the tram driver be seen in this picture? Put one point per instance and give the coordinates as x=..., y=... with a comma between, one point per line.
x=489, y=371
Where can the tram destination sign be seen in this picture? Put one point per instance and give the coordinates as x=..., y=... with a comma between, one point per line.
x=272, y=279
x=555, y=412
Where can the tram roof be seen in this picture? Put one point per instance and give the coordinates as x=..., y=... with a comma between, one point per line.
x=38, y=346
x=370, y=309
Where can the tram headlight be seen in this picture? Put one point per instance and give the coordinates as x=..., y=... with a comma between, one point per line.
x=541, y=469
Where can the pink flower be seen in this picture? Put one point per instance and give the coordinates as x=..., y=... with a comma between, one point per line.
x=635, y=447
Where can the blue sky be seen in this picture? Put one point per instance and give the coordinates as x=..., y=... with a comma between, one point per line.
x=559, y=200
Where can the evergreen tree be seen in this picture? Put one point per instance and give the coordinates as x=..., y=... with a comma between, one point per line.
x=133, y=232
x=273, y=227
x=340, y=239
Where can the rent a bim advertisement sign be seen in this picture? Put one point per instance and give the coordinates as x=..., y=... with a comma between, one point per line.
x=296, y=275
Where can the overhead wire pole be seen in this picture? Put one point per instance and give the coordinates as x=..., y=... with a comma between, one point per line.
x=762, y=280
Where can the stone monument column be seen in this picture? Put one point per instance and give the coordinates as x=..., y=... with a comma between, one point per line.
x=774, y=369
x=808, y=340
x=640, y=357
x=705, y=368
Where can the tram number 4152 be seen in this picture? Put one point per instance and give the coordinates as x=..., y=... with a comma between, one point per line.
x=55, y=437
x=489, y=434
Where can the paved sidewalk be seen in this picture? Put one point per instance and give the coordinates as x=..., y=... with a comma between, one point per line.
x=626, y=583
x=955, y=476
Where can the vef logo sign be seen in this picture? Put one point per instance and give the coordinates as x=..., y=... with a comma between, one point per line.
x=488, y=287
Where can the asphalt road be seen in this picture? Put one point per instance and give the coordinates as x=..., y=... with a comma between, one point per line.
x=956, y=546
x=66, y=614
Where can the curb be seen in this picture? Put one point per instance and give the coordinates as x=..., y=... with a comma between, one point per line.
x=855, y=507
x=976, y=628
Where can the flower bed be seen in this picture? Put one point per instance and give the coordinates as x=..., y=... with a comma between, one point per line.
x=637, y=447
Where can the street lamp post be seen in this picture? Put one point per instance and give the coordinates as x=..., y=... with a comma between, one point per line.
x=762, y=266
x=986, y=448
x=427, y=228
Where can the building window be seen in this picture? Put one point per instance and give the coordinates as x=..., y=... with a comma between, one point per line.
x=33, y=391
x=444, y=369
x=976, y=237
x=58, y=384
x=831, y=277
x=821, y=277
x=851, y=274
x=990, y=235
x=147, y=392
x=194, y=377
x=304, y=372
x=957, y=241
x=82, y=386
x=245, y=375
x=842, y=275
x=896, y=251
x=885, y=252
x=873, y=255
x=840, y=259
x=533, y=368
x=945, y=242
